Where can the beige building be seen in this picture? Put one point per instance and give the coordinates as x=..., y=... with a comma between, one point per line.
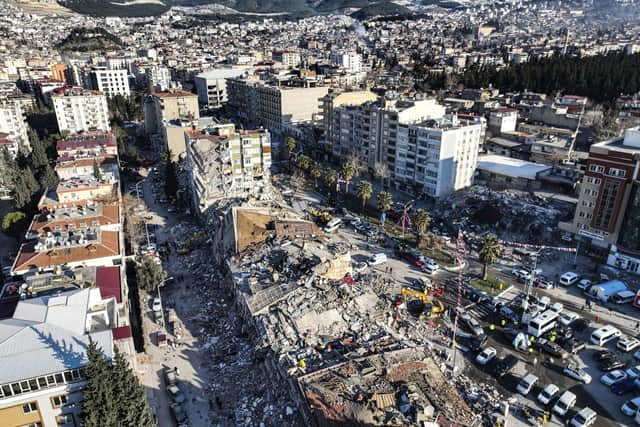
x=334, y=100
x=80, y=110
x=161, y=108
x=227, y=164
x=274, y=107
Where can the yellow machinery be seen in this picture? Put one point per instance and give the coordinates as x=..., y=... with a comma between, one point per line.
x=433, y=306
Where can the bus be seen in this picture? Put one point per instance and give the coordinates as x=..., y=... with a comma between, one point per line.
x=542, y=323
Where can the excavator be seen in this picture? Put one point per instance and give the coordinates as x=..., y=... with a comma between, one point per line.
x=432, y=307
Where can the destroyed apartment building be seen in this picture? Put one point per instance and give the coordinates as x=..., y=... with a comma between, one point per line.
x=330, y=336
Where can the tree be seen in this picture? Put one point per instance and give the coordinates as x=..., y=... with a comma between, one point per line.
x=13, y=222
x=330, y=177
x=290, y=143
x=38, y=150
x=348, y=171
x=421, y=221
x=489, y=252
x=25, y=186
x=171, y=185
x=132, y=408
x=316, y=172
x=48, y=177
x=149, y=274
x=384, y=200
x=364, y=192
x=99, y=402
x=381, y=171
x=304, y=162
x=113, y=396
x=8, y=169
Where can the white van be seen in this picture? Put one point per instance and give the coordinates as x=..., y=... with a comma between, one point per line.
x=569, y=278
x=376, y=259
x=430, y=268
x=566, y=402
x=526, y=384
x=623, y=297
x=332, y=225
x=586, y=417
x=605, y=334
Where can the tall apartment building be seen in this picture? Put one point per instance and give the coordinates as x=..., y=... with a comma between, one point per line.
x=109, y=82
x=350, y=61
x=439, y=155
x=287, y=58
x=227, y=164
x=333, y=100
x=80, y=110
x=607, y=217
x=414, y=139
x=164, y=107
x=159, y=77
x=274, y=107
x=13, y=123
x=212, y=86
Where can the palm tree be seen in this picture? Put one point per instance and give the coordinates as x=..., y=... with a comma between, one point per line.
x=347, y=172
x=381, y=171
x=384, y=200
x=291, y=145
x=421, y=221
x=364, y=192
x=330, y=177
x=316, y=172
x=489, y=252
x=304, y=162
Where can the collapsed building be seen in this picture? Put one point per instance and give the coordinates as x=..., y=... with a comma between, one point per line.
x=334, y=339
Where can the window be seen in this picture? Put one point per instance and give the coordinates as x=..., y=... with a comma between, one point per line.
x=596, y=168
x=58, y=401
x=64, y=419
x=593, y=180
x=620, y=173
x=30, y=407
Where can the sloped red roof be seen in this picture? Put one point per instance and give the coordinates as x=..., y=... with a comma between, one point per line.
x=121, y=333
x=108, y=281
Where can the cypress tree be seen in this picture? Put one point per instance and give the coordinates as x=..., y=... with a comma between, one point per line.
x=98, y=404
x=132, y=407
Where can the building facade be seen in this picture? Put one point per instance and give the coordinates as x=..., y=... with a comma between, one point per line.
x=80, y=110
x=212, y=86
x=110, y=82
x=227, y=164
x=13, y=123
x=606, y=215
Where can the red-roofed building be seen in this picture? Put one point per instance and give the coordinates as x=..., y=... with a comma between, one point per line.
x=109, y=283
x=88, y=144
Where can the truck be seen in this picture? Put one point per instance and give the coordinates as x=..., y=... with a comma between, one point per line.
x=604, y=291
x=161, y=339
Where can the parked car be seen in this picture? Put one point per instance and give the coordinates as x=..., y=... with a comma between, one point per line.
x=472, y=324
x=567, y=318
x=178, y=412
x=573, y=346
x=633, y=372
x=601, y=355
x=486, y=355
x=613, y=377
x=579, y=374
x=564, y=403
x=627, y=344
x=170, y=376
x=175, y=394
x=584, y=285
x=548, y=393
x=631, y=406
x=624, y=386
x=157, y=304
x=551, y=348
x=504, y=366
x=526, y=384
x=584, y=418
x=612, y=364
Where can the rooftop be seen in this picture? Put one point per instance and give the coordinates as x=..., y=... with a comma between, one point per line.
x=72, y=217
x=87, y=140
x=511, y=167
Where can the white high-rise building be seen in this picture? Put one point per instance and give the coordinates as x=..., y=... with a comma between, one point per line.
x=110, y=82
x=13, y=123
x=441, y=155
x=351, y=61
x=159, y=77
x=81, y=110
x=212, y=86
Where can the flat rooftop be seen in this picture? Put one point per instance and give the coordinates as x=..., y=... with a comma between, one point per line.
x=510, y=167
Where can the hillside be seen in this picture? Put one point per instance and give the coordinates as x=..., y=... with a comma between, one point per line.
x=84, y=40
x=385, y=8
x=115, y=8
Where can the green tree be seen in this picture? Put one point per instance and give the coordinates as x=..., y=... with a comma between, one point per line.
x=489, y=252
x=364, y=192
x=330, y=178
x=421, y=221
x=132, y=407
x=149, y=274
x=48, y=177
x=347, y=172
x=315, y=172
x=171, y=185
x=304, y=162
x=290, y=143
x=99, y=402
x=384, y=200
x=25, y=186
x=13, y=222
x=8, y=169
x=38, y=150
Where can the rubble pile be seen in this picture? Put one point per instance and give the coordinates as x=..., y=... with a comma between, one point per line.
x=518, y=215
